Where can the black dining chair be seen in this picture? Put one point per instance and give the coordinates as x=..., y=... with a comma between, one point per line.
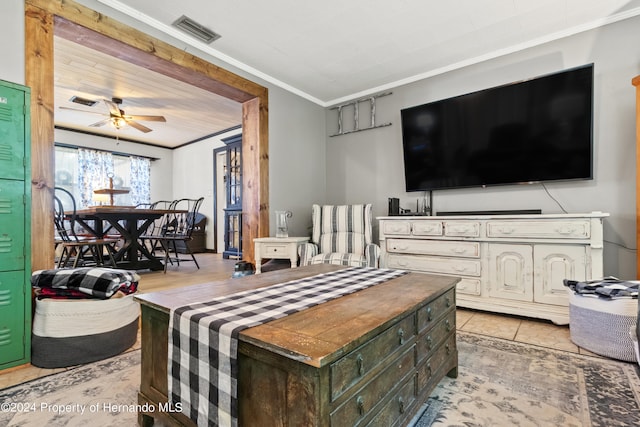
x=177, y=226
x=77, y=249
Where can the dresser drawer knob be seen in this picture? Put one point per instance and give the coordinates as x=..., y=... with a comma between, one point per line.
x=401, y=336
x=360, y=403
x=429, y=342
x=448, y=301
x=448, y=349
x=429, y=371
x=401, y=405
x=360, y=364
x=447, y=325
x=429, y=314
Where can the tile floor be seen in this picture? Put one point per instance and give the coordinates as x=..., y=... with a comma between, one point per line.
x=214, y=267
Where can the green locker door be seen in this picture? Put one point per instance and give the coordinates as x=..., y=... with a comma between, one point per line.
x=15, y=225
x=12, y=317
x=12, y=218
x=12, y=134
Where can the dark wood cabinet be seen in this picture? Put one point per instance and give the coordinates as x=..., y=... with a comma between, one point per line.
x=233, y=198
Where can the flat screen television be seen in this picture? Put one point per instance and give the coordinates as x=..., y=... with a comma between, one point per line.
x=525, y=132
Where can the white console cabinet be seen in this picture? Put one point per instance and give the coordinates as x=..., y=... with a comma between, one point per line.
x=511, y=264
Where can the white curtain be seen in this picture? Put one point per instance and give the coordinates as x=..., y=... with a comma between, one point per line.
x=140, y=177
x=94, y=168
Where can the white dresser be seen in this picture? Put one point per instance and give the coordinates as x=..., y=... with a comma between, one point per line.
x=511, y=264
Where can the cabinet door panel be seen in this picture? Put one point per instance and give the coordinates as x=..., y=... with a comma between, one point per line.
x=12, y=135
x=12, y=315
x=12, y=225
x=511, y=272
x=554, y=263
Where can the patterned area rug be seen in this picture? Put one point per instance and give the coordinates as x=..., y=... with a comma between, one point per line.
x=500, y=383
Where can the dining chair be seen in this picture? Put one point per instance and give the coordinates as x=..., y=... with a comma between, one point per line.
x=77, y=250
x=178, y=226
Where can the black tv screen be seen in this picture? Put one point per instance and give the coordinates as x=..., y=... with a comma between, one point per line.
x=529, y=131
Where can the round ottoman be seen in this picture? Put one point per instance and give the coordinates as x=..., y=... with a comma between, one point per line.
x=69, y=332
x=602, y=325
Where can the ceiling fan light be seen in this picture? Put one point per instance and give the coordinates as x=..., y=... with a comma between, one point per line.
x=118, y=122
x=196, y=30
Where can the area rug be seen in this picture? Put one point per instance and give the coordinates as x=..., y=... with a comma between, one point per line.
x=500, y=383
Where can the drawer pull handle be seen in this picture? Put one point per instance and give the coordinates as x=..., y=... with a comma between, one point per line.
x=360, y=403
x=447, y=325
x=460, y=268
x=448, y=301
x=401, y=404
x=429, y=371
x=360, y=364
x=566, y=230
x=401, y=336
x=459, y=250
x=429, y=316
x=429, y=342
x=506, y=230
x=448, y=347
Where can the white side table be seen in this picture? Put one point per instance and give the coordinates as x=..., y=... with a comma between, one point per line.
x=277, y=248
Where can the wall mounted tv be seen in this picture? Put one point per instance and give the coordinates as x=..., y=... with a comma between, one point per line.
x=530, y=131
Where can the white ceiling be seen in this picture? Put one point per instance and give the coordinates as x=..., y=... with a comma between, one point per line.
x=329, y=51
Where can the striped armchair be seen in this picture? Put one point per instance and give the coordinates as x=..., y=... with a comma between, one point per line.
x=341, y=235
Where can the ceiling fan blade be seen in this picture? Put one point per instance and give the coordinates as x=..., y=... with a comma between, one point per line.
x=100, y=123
x=81, y=111
x=138, y=126
x=146, y=118
x=113, y=108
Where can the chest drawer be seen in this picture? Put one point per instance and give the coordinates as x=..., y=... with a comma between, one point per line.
x=428, y=371
x=431, y=313
x=363, y=402
x=396, y=406
x=434, y=247
x=539, y=229
x=428, y=342
x=356, y=365
x=450, y=266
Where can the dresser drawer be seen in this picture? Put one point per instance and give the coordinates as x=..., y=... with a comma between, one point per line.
x=397, y=406
x=540, y=229
x=434, y=247
x=469, y=286
x=426, y=228
x=428, y=371
x=431, y=313
x=451, y=266
x=353, y=367
x=462, y=229
x=402, y=228
x=428, y=342
x=359, y=406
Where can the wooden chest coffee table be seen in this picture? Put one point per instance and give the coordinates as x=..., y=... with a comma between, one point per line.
x=369, y=358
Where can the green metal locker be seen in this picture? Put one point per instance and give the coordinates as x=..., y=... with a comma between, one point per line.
x=15, y=225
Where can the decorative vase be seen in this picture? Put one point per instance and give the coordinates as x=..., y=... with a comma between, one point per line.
x=282, y=228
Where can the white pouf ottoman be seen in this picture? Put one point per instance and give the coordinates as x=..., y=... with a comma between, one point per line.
x=69, y=332
x=602, y=325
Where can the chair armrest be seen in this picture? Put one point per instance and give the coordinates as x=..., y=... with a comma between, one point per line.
x=306, y=251
x=372, y=255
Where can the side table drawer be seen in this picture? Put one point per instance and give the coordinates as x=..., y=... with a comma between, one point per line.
x=432, y=312
x=274, y=250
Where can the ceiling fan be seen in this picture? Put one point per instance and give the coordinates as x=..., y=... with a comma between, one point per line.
x=119, y=119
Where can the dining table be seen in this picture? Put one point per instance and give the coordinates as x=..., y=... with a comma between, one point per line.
x=131, y=223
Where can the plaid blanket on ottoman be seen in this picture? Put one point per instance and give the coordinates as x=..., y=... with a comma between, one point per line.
x=96, y=282
x=203, y=337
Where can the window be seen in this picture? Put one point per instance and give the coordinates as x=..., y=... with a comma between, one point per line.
x=81, y=171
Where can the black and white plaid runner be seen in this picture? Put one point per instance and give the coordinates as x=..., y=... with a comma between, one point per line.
x=203, y=337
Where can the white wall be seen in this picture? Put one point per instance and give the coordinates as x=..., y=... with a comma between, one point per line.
x=12, y=41
x=368, y=167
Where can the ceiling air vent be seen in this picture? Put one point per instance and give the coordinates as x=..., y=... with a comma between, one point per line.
x=191, y=27
x=83, y=101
